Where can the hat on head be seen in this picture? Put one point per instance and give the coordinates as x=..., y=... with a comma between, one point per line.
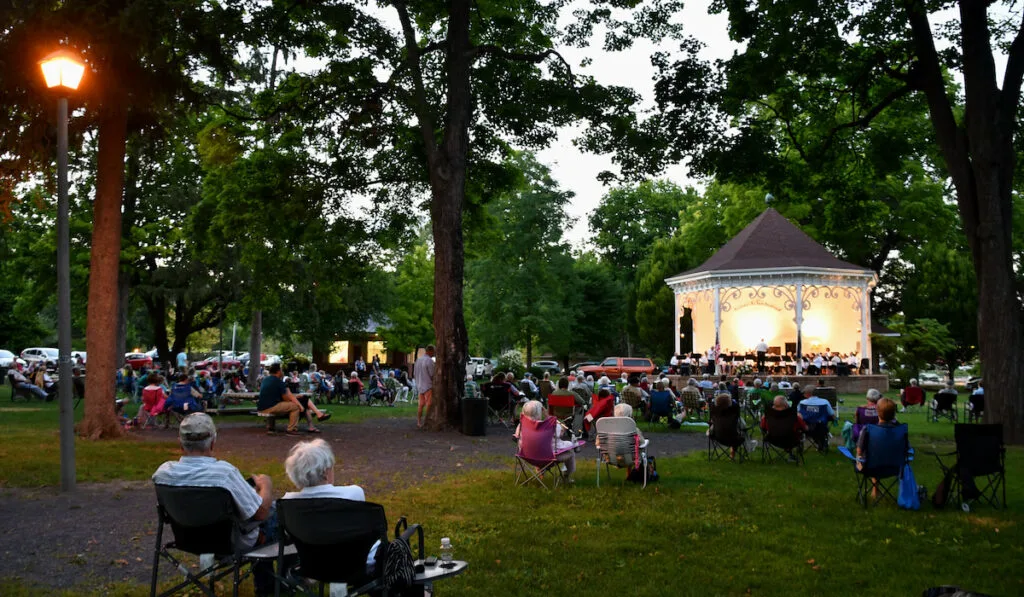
x=197, y=427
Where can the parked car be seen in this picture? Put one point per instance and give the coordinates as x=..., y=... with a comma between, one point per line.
x=138, y=360
x=615, y=366
x=549, y=366
x=77, y=355
x=578, y=366
x=8, y=359
x=479, y=367
x=47, y=355
x=972, y=383
x=227, y=360
x=270, y=359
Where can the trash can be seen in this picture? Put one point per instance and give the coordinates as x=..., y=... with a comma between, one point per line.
x=474, y=416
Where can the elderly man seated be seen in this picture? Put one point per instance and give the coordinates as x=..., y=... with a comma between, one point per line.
x=20, y=382
x=254, y=499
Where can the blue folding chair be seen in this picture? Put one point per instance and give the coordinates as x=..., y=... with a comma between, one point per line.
x=817, y=418
x=888, y=451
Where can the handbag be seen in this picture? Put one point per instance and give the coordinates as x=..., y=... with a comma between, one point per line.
x=908, y=497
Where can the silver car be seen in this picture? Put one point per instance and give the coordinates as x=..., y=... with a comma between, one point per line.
x=48, y=356
x=8, y=359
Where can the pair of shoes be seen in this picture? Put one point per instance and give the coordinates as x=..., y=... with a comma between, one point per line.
x=314, y=430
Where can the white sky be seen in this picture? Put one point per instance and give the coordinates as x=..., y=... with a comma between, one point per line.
x=576, y=171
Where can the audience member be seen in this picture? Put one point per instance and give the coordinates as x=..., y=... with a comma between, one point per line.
x=534, y=410
x=254, y=504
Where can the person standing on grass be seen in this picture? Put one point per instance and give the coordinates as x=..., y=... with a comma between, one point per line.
x=182, y=361
x=254, y=501
x=423, y=375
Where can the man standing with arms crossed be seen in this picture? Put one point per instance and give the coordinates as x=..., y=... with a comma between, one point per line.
x=423, y=375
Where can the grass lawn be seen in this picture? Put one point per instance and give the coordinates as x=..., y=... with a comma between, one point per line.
x=706, y=529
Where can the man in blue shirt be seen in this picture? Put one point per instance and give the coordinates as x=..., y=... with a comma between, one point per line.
x=182, y=361
x=276, y=399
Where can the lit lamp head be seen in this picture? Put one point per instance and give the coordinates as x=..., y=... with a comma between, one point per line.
x=62, y=69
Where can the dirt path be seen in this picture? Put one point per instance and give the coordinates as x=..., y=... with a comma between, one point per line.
x=104, y=532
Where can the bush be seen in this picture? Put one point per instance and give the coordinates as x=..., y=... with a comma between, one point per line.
x=537, y=372
x=511, y=360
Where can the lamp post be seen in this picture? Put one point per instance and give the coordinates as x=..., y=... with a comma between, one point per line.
x=63, y=71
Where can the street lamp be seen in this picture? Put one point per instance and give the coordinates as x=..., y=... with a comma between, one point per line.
x=63, y=71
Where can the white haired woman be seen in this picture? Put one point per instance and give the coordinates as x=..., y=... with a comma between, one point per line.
x=536, y=411
x=310, y=466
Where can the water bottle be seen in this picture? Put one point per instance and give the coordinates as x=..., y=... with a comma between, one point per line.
x=446, y=552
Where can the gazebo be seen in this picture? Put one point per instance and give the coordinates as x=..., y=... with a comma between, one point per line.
x=774, y=283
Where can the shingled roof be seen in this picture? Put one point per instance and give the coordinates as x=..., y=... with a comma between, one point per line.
x=771, y=242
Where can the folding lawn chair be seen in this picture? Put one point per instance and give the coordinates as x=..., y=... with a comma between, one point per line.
x=780, y=437
x=204, y=521
x=333, y=538
x=974, y=408
x=499, y=404
x=980, y=456
x=692, y=405
x=537, y=458
x=725, y=437
x=662, y=407
x=888, y=450
x=943, y=406
x=817, y=419
x=863, y=417
x=564, y=408
x=619, y=446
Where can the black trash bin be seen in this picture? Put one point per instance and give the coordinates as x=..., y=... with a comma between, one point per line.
x=474, y=416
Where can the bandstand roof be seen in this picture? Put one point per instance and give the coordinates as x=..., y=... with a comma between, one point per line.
x=771, y=242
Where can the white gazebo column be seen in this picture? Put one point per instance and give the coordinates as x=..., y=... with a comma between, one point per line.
x=799, y=319
x=676, y=299
x=865, y=325
x=718, y=325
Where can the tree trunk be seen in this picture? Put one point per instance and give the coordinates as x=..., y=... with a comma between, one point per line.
x=156, y=308
x=101, y=326
x=123, y=286
x=255, y=349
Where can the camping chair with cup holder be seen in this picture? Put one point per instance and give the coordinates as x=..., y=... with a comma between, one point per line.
x=817, y=418
x=500, y=404
x=974, y=408
x=333, y=539
x=203, y=520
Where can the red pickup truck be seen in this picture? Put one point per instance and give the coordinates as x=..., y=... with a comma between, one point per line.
x=615, y=366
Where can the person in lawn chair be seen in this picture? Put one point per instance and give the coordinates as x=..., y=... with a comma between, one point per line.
x=254, y=499
x=817, y=413
x=534, y=410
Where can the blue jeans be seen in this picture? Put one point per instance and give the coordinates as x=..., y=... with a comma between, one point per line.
x=39, y=392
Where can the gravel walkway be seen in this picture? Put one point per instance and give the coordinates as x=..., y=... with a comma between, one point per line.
x=111, y=538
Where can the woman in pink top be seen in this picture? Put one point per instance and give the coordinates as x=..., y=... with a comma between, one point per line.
x=153, y=395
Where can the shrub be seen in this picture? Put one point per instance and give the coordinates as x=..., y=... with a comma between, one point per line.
x=511, y=360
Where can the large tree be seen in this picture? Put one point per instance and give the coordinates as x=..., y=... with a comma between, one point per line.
x=471, y=77
x=141, y=55
x=868, y=58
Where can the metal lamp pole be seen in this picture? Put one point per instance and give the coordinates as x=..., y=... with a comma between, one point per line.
x=63, y=71
x=67, y=413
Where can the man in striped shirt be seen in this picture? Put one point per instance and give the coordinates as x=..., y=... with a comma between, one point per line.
x=197, y=467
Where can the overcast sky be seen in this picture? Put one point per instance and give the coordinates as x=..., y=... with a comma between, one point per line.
x=577, y=171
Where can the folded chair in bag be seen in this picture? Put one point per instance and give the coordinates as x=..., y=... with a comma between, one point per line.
x=537, y=458
x=943, y=407
x=725, y=438
x=204, y=521
x=817, y=419
x=888, y=450
x=619, y=446
x=333, y=538
x=780, y=437
x=978, y=472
